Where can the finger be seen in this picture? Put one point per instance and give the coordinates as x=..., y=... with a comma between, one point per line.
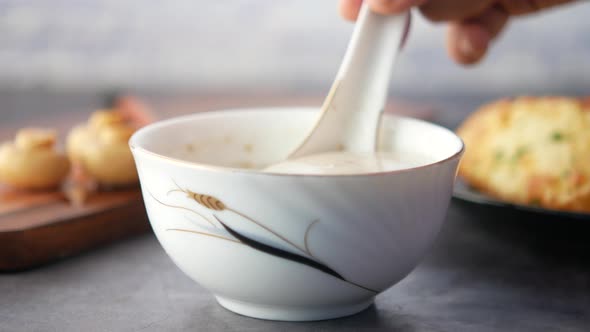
x=388, y=7
x=518, y=7
x=349, y=9
x=521, y=7
x=493, y=20
x=453, y=10
x=469, y=40
x=467, y=43
x=542, y=4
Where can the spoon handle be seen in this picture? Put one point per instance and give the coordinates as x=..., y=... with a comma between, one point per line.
x=350, y=114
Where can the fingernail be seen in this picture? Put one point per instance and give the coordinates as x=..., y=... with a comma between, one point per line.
x=466, y=46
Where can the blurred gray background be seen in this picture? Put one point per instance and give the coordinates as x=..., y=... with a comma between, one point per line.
x=59, y=58
x=245, y=45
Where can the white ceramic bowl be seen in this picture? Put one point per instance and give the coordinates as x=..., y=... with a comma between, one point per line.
x=290, y=247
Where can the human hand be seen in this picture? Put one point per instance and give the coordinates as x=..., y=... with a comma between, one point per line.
x=472, y=24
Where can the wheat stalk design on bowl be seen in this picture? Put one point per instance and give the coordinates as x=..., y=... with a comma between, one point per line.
x=214, y=205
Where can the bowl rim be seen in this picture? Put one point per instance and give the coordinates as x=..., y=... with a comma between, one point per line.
x=137, y=149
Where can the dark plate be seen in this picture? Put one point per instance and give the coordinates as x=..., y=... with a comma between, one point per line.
x=465, y=193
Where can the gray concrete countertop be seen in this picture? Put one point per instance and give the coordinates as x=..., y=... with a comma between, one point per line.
x=490, y=270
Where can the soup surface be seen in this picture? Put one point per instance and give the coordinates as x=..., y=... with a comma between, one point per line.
x=349, y=163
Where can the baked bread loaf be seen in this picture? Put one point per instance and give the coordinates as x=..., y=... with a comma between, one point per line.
x=100, y=149
x=531, y=151
x=31, y=162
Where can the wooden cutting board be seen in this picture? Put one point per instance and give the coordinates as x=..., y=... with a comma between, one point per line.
x=41, y=227
x=37, y=228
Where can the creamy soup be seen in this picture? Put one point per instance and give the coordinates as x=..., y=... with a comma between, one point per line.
x=349, y=163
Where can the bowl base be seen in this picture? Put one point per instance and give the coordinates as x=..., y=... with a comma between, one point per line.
x=292, y=313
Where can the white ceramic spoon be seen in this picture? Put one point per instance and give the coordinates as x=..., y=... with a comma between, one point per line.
x=351, y=112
